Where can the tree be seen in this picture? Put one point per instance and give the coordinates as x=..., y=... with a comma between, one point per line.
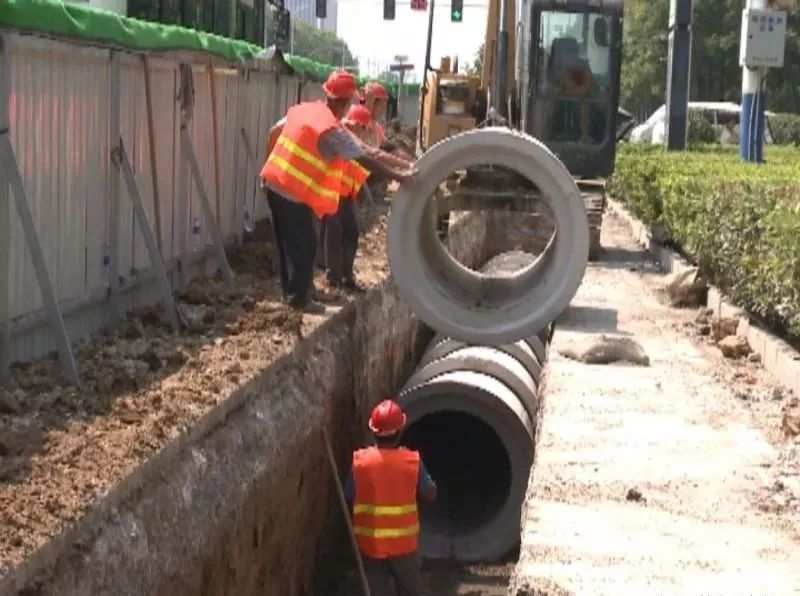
x=715, y=74
x=477, y=62
x=321, y=45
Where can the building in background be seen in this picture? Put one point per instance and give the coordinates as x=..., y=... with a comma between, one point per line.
x=305, y=10
x=239, y=19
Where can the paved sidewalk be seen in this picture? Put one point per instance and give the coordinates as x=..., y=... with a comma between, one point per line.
x=674, y=432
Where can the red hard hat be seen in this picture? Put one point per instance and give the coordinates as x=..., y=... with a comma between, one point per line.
x=358, y=114
x=377, y=90
x=387, y=418
x=340, y=85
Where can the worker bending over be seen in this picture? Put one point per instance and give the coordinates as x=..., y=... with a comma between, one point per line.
x=307, y=157
x=376, y=100
x=383, y=486
x=340, y=230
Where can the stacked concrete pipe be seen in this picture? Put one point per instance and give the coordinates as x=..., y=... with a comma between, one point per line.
x=482, y=307
x=472, y=413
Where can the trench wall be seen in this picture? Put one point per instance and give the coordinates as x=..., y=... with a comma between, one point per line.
x=243, y=503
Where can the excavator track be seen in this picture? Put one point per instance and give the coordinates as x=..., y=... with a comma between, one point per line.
x=593, y=193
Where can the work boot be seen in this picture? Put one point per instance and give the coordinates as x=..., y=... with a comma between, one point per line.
x=350, y=285
x=307, y=306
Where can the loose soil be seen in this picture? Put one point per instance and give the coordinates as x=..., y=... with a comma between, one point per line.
x=61, y=448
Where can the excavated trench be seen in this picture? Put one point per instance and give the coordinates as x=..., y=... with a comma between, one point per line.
x=243, y=502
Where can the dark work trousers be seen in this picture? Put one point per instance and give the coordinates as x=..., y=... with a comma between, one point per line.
x=340, y=233
x=399, y=576
x=296, y=246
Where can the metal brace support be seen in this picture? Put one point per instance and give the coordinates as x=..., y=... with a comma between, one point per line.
x=8, y=162
x=188, y=152
x=119, y=157
x=113, y=211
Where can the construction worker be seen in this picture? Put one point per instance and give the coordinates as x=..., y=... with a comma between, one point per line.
x=340, y=230
x=307, y=155
x=376, y=100
x=383, y=486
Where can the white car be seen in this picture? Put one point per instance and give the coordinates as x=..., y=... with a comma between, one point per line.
x=718, y=113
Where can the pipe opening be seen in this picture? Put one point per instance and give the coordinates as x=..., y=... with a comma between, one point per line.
x=467, y=460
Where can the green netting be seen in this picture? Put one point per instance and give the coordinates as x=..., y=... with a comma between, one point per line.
x=82, y=22
x=78, y=21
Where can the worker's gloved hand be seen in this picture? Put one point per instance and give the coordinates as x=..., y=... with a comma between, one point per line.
x=406, y=176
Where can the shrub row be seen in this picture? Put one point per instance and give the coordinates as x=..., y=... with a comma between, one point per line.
x=739, y=222
x=785, y=129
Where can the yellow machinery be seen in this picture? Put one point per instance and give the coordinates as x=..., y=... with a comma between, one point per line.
x=550, y=69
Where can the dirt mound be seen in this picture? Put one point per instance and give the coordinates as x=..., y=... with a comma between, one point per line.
x=605, y=349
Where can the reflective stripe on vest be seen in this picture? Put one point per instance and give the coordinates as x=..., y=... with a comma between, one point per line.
x=295, y=166
x=354, y=178
x=387, y=532
x=385, y=516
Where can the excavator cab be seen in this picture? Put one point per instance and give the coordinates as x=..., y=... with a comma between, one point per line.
x=568, y=77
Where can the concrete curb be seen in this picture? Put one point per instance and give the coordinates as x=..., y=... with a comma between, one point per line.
x=777, y=356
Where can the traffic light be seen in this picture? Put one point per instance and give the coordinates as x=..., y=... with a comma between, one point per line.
x=322, y=9
x=419, y=4
x=388, y=10
x=456, y=10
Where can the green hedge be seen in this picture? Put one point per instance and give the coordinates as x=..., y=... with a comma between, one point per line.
x=739, y=222
x=700, y=130
x=785, y=129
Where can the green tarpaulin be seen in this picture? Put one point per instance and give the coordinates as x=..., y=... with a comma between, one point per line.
x=78, y=21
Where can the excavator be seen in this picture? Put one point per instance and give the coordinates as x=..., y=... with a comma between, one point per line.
x=551, y=68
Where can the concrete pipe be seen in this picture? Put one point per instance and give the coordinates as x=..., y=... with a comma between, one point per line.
x=486, y=360
x=472, y=416
x=521, y=351
x=482, y=308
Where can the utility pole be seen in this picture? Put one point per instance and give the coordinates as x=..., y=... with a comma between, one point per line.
x=679, y=63
x=762, y=46
x=401, y=66
x=499, y=89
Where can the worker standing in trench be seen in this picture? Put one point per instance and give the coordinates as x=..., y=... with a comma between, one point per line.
x=307, y=155
x=383, y=485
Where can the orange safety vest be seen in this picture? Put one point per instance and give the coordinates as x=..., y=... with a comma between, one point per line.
x=295, y=166
x=385, y=517
x=354, y=177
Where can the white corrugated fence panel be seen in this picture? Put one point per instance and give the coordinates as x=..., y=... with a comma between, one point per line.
x=203, y=143
x=59, y=117
x=162, y=81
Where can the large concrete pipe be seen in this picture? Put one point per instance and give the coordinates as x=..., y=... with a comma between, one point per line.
x=472, y=415
x=487, y=308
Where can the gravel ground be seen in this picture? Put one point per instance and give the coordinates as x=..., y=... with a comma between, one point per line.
x=672, y=478
x=60, y=449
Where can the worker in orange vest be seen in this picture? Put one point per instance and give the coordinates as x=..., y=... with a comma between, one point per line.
x=340, y=230
x=383, y=486
x=376, y=100
x=304, y=176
